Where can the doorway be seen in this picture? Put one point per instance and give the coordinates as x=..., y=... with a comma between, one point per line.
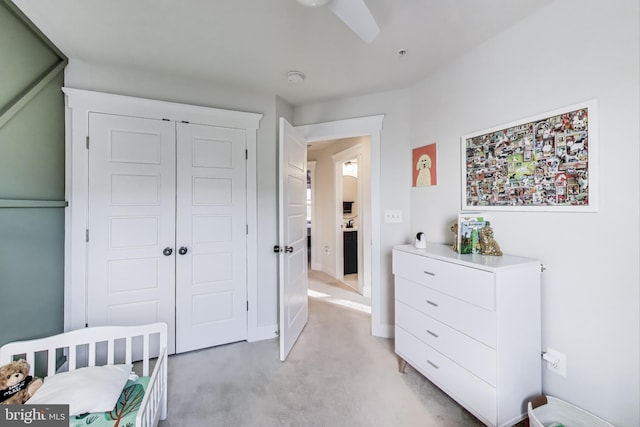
x=338, y=182
x=352, y=182
x=371, y=127
x=350, y=209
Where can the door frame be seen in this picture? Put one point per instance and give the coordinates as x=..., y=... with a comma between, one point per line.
x=370, y=126
x=311, y=170
x=78, y=105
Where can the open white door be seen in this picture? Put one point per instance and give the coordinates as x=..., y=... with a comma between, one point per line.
x=294, y=305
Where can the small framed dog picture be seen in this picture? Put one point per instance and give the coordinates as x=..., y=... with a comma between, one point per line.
x=425, y=166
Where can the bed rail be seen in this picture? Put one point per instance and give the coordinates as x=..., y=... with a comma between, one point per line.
x=86, y=342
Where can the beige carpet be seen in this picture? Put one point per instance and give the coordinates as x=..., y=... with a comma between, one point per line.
x=336, y=375
x=323, y=286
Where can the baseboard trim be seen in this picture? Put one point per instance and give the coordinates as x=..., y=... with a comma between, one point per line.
x=262, y=333
x=383, y=331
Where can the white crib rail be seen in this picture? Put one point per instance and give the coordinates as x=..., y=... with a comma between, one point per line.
x=154, y=404
x=69, y=342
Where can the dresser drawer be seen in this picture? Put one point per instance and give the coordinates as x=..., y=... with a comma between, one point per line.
x=466, y=283
x=472, y=355
x=469, y=319
x=466, y=388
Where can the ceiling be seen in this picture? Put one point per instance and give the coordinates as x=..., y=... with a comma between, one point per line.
x=252, y=44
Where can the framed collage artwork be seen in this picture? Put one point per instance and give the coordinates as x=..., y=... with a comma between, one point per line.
x=543, y=163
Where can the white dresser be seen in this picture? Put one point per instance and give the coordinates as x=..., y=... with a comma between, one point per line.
x=471, y=325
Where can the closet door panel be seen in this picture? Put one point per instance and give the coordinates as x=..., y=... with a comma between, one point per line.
x=131, y=221
x=211, y=281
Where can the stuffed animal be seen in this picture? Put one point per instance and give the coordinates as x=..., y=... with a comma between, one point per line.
x=16, y=385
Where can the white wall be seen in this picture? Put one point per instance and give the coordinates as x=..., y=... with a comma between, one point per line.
x=570, y=51
x=395, y=170
x=103, y=78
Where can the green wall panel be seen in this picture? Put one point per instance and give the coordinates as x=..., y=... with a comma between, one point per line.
x=25, y=56
x=32, y=154
x=32, y=148
x=32, y=273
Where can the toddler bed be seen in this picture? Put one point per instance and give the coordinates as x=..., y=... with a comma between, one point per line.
x=95, y=355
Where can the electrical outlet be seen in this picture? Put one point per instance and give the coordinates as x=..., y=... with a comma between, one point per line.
x=393, y=216
x=556, y=361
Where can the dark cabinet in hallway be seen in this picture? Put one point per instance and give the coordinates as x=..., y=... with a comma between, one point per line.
x=350, y=239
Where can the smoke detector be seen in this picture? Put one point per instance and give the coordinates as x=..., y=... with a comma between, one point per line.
x=295, y=77
x=313, y=3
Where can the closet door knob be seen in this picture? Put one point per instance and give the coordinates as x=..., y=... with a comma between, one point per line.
x=167, y=251
x=182, y=250
x=288, y=249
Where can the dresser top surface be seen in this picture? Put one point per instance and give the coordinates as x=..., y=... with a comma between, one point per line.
x=486, y=262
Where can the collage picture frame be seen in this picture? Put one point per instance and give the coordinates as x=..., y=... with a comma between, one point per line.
x=547, y=162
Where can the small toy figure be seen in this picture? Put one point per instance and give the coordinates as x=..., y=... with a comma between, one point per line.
x=488, y=245
x=454, y=229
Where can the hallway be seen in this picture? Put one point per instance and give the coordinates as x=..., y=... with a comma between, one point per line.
x=326, y=288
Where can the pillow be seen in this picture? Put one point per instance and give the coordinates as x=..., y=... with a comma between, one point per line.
x=91, y=389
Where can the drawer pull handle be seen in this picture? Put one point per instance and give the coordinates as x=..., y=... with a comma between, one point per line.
x=433, y=364
x=429, y=273
x=432, y=303
x=433, y=334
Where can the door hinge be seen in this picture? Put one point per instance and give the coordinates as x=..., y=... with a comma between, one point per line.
x=86, y=235
x=86, y=325
x=247, y=229
x=247, y=305
x=87, y=142
x=246, y=154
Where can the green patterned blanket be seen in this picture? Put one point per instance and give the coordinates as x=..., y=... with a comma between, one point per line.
x=123, y=414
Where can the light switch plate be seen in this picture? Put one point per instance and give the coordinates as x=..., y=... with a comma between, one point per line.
x=393, y=216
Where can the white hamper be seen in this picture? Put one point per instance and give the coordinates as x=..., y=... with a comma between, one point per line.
x=547, y=411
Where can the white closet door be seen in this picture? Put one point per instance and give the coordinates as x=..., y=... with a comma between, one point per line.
x=211, y=281
x=131, y=222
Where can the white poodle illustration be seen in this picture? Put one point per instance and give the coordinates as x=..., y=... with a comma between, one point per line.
x=423, y=166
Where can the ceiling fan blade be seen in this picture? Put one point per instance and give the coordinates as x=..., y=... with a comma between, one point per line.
x=356, y=15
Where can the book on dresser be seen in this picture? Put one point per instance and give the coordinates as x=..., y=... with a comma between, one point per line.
x=471, y=324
